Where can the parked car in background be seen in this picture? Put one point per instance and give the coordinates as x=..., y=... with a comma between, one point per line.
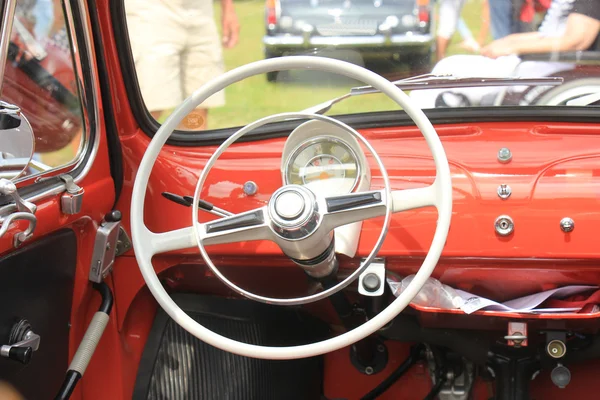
x=400, y=30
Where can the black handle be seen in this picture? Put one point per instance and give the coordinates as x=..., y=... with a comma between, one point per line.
x=113, y=216
x=20, y=354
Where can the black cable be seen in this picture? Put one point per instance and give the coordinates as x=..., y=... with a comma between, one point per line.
x=413, y=357
x=442, y=374
x=435, y=390
x=66, y=390
x=107, y=297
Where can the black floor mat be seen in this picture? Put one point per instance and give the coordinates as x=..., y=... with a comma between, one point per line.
x=175, y=365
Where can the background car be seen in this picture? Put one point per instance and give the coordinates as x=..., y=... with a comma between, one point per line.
x=399, y=30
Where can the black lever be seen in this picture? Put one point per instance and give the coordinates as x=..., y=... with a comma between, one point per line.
x=187, y=201
x=177, y=199
x=203, y=204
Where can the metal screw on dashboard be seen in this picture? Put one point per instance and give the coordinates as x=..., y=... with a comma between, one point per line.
x=504, y=155
x=567, y=225
x=504, y=191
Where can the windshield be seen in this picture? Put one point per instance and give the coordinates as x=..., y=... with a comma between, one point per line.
x=180, y=45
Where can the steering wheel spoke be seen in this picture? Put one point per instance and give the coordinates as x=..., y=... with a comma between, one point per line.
x=409, y=199
x=354, y=207
x=247, y=226
x=173, y=240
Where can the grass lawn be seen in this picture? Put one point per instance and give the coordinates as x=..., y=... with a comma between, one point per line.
x=254, y=98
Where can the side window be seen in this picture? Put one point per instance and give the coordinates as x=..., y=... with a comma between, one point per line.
x=40, y=79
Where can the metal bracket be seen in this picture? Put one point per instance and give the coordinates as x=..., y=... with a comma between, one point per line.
x=105, y=247
x=19, y=237
x=517, y=334
x=123, y=242
x=372, y=281
x=71, y=200
x=456, y=387
x=25, y=210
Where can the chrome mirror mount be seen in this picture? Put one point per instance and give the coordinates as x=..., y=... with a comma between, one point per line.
x=17, y=142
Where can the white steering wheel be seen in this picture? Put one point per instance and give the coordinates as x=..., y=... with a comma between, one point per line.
x=299, y=221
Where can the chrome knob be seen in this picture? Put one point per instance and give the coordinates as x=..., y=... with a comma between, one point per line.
x=567, y=225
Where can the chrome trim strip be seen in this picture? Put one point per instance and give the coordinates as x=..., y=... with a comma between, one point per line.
x=86, y=97
x=379, y=40
x=8, y=17
x=89, y=105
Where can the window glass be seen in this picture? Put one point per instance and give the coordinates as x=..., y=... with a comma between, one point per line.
x=181, y=44
x=40, y=79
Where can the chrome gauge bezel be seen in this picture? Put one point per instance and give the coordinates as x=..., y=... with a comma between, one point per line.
x=320, y=139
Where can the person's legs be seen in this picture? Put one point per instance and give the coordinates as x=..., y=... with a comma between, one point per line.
x=449, y=14
x=157, y=40
x=200, y=62
x=501, y=16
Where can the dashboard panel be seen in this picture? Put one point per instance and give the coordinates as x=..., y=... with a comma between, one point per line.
x=554, y=173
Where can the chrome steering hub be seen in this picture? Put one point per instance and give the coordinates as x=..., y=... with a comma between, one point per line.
x=291, y=207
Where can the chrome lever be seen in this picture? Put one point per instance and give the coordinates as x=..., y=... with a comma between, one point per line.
x=8, y=188
x=23, y=349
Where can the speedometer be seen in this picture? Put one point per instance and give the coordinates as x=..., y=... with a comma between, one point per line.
x=325, y=164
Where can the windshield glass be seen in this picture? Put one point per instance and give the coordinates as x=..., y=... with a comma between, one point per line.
x=179, y=45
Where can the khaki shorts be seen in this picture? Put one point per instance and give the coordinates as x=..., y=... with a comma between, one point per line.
x=176, y=48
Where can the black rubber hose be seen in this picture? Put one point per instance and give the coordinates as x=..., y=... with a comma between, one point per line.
x=413, y=357
x=66, y=390
x=107, y=297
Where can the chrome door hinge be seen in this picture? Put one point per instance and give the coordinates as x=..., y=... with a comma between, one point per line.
x=107, y=246
x=25, y=211
x=71, y=200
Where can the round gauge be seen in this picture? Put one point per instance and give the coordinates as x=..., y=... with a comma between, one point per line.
x=326, y=165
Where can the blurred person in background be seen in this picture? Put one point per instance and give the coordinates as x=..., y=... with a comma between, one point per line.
x=514, y=16
x=176, y=49
x=450, y=21
x=569, y=25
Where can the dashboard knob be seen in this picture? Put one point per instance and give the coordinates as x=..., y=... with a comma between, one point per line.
x=504, y=225
x=567, y=225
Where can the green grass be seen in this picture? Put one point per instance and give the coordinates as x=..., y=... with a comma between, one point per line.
x=253, y=98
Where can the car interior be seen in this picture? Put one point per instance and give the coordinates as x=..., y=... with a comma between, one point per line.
x=325, y=237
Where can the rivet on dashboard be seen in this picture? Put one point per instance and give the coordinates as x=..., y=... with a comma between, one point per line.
x=567, y=225
x=504, y=225
x=504, y=191
x=250, y=188
x=504, y=155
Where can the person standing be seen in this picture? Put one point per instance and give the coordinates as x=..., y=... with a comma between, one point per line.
x=176, y=49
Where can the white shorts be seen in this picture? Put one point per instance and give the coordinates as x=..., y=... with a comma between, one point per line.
x=484, y=67
x=176, y=48
x=449, y=14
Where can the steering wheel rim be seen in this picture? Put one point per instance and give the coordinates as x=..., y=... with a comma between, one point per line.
x=144, y=240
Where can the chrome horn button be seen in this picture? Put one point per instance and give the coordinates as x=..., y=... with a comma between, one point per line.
x=289, y=204
x=293, y=212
